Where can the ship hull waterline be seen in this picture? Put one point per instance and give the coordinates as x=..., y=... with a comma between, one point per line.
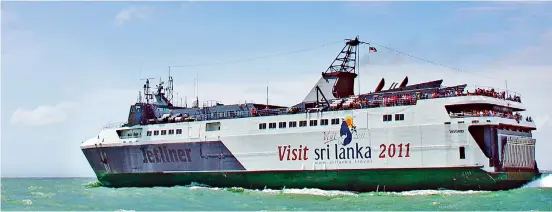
x=367, y=180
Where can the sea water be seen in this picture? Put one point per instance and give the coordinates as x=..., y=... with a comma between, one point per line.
x=41, y=194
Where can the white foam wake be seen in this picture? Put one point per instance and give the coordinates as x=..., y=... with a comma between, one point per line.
x=310, y=191
x=435, y=192
x=335, y=193
x=543, y=182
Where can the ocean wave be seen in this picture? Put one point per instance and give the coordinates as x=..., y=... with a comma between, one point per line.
x=43, y=195
x=310, y=191
x=433, y=192
x=334, y=193
x=93, y=184
x=194, y=186
x=304, y=191
x=27, y=202
x=543, y=182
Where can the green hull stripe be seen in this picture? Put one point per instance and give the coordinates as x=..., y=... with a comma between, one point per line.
x=355, y=180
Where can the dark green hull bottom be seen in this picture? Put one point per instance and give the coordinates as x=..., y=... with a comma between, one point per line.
x=471, y=178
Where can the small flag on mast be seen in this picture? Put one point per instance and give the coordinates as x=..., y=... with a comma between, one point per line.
x=372, y=49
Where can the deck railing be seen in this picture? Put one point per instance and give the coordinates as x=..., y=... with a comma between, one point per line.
x=374, y=100
x=493, y=92
x=517, y=117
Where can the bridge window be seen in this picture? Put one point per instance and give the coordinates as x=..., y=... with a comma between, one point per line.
x=302, y=123
x=282, y=124
x=272, y=125
x=335, y=121
x=262, y=126
x=178, y=131
x=213, y=126
x=387, y=118
x=156, y=132
x=148, y=133
x=462, y=152
x=399, y=117
x=324, y=122
x=292, y=124
x=163, y=132
x=313, y=122
x=171, y=132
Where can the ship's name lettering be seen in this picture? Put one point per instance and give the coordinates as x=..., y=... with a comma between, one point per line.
x=166, y=155
x=289, y=153
x=352, y=152
x=456, y=131
x=357, y=151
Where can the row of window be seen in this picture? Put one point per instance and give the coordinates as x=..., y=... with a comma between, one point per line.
x=164, y=132
x=291, y=124
x=398, y=117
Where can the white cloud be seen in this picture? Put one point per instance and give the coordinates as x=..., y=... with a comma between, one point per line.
x=43, y=115
x=132, y=13
x=535, y=54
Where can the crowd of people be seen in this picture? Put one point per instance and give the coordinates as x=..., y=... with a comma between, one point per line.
x=492, y=93
x=517, y=116
x=410, y=98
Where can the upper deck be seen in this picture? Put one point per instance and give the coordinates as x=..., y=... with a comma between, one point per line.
x=458, y=96
x=334, y=91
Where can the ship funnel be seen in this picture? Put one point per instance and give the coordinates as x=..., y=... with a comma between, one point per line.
x=404, y=82
x=380, y=85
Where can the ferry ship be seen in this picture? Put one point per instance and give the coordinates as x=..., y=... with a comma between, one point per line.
x=406, y=137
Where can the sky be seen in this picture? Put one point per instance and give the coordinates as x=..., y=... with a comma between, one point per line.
x=68, y=68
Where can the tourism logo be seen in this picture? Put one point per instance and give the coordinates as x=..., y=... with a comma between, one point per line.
x=346, y=132
x=347, y=129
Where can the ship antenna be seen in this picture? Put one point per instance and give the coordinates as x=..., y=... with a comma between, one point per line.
x=147, y=92
x=357, y=66
x=169, y=88
x=267, y=78
x=197, y=84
